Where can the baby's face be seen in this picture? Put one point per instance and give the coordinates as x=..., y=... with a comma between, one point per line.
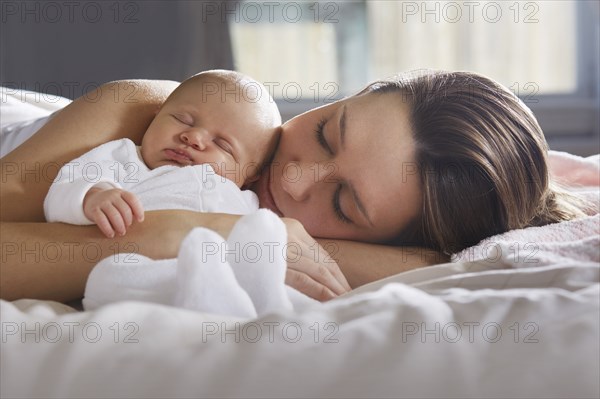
x=222, y=129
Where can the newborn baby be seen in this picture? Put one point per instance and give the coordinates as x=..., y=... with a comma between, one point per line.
x=208, y=140
x=215, y=122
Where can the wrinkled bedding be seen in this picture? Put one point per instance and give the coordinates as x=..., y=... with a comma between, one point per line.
x=477, y=329
x=518, y=319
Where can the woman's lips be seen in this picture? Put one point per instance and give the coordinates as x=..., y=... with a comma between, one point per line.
x=179, y=156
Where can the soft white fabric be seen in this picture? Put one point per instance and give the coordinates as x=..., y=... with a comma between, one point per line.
x=392, y=338
x=14, y=134
x=202, y=284
x=18, y=105
x=434, y=332
x=118, y=163
x=577, y=240
x=574, y=170
x=22, y=113
x=243, y=276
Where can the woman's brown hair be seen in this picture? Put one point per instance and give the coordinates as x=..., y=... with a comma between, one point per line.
x=481, y=157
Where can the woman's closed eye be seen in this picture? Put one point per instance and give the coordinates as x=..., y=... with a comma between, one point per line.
x=338, y=208
x=320, y=136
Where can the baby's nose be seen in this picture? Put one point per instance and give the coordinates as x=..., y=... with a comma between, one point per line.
x=197, y=139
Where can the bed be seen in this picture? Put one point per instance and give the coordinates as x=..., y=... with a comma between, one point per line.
x=516, y=316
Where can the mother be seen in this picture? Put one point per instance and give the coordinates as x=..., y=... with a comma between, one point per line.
x=439, y=160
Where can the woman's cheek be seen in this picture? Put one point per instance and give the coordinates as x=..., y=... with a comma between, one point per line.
x=312, y=224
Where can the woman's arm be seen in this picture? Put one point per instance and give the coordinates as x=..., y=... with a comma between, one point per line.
x=363, y=263
x=30, y=268
x=115, y=110
x=53, y=260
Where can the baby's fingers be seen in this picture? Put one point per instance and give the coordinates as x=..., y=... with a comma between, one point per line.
x=115, y=218
x=134, y=204
x=125, y=210
x=102, y=221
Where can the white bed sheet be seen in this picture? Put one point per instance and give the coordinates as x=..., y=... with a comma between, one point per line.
x=22, y=113
x=387, y=340
x=393, y=338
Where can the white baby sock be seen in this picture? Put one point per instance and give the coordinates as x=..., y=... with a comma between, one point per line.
x=205, y=280
x=257, y=256
x=132, y=277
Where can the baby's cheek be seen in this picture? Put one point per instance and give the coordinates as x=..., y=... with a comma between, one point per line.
x=250, y=171
x=230, y=170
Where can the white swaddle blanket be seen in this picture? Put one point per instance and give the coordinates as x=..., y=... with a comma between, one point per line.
x=242, y=276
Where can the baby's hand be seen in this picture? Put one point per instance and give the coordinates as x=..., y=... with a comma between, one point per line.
x=112, y=210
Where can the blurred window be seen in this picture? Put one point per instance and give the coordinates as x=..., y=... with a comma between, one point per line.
x=312, y=52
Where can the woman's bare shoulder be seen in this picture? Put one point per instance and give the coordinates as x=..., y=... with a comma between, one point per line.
x=114, y=110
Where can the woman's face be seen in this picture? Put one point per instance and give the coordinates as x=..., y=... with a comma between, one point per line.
x=357, y=180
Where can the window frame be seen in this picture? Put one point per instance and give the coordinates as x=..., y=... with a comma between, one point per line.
x=571, y=122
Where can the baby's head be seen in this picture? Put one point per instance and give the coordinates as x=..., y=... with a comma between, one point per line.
x=219, y=117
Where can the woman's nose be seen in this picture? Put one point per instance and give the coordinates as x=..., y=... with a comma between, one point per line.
x=300, y=179
x=196, y=138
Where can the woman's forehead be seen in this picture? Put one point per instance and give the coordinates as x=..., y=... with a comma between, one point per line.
x=377, y=156
x=380, y=154
x=381, y=115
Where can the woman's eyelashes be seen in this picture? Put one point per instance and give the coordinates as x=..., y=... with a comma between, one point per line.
x=320, y=135
x=338, y=208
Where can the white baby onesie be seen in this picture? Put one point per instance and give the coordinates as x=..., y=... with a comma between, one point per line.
x=118, y=164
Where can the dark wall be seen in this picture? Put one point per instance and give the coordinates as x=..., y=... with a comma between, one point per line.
x=69, y=47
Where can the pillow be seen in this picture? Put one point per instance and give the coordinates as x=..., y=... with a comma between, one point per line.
x=22, y=113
